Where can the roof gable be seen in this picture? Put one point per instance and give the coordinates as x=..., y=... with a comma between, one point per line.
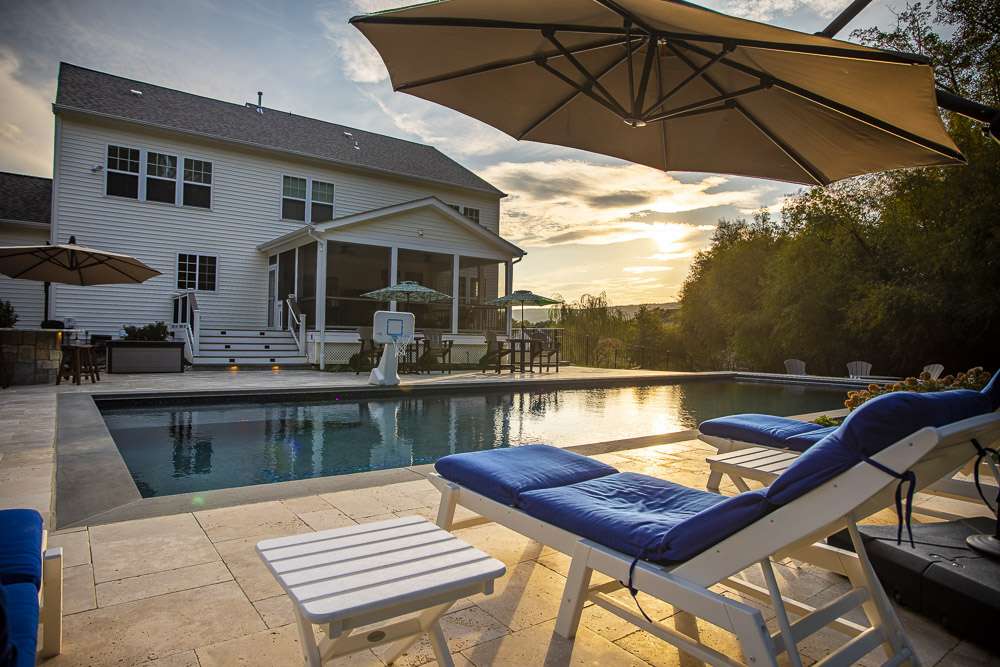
x=91, y=92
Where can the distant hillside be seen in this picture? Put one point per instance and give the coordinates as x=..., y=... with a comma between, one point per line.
x=534, y=315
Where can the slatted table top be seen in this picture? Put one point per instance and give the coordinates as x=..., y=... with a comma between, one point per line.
x=762, y=464
x=346, y=572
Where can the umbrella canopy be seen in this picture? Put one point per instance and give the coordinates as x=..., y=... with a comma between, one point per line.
x=668, y=84
x=523, y=296
x=408, y=292
x=72, y=264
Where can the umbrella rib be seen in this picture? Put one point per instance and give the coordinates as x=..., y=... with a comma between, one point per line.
x=585, y=72
x=47, y=258
x=842, y=109
x=580, y=88
x=691, y=77
x=454, y=22
x=647, y=68
x=663, y=126
x=704, y=103
x=572, y=96
x=895, y=57
x=504, y=64
x=625, y=14
x=801, y=162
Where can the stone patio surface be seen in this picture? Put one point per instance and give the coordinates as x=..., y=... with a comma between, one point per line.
x=189, y=590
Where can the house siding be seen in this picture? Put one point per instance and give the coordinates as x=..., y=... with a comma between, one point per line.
x=246, y=205
x=27, y=296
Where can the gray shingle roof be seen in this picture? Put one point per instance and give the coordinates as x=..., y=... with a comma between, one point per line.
x=25, y=198
x=90, y=91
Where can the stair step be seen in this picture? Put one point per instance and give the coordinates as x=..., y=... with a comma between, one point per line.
x=248, y=353
x=236, y=347
x=250, y=361
x=246, y=333
x=245, y=340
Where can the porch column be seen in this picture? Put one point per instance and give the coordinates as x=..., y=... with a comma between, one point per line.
x=456, y=264
x=393, y=270
x=320, y=323
x=508, y=288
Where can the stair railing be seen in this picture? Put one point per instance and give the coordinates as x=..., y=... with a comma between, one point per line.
x=296, y=320
x=187, y=317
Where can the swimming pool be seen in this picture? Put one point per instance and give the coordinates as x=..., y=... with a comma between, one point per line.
x=181, y=448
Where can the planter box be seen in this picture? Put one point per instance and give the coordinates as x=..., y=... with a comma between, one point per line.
x=140, y=356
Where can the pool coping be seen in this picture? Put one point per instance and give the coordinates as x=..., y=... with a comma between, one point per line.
x=94, y=485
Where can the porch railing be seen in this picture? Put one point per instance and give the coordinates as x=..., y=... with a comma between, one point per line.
x=296, y=323
x=187, y=317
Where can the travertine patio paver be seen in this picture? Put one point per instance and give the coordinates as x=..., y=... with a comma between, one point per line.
x=75, y=544
x=132, y=548
x=78, y=589
x=159, y=583
x=539, y=645
x=462, y=629
x=241, y=557
x=260, y=520
x=528, y=594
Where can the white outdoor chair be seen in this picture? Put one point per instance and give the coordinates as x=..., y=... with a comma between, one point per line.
x=859, y=369
x=933, y=370
x=795, y=367
x=795, y=529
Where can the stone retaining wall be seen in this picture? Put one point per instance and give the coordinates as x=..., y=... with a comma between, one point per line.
x=28, y=357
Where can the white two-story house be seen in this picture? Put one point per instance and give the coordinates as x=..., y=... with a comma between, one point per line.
x=267, y=227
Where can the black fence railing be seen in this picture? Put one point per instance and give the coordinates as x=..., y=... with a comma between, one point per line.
x=608, y=352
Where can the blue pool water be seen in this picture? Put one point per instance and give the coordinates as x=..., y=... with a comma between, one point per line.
x=172, y=449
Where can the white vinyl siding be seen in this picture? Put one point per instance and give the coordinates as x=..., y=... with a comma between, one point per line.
x=27, y=296
x=246, y=194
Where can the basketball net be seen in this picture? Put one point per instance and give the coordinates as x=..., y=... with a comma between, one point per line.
x=399, y=348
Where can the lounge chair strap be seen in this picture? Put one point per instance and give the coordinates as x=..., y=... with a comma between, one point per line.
x=634, y=591
x=982, y=453
x=906, y=477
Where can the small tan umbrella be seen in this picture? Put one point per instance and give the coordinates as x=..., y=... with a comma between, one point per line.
x=71, y=264
x=668, y=84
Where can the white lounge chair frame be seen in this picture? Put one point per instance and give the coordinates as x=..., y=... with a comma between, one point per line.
x=50, y=600
x=793, y=530
x=859, y=369
x=947, y=487
x=934, y=370
x=795, y=367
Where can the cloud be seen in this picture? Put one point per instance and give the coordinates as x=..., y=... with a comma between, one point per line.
x=647, y=269
x=359, y=60
x=572, y=201
x=26, y=131
x=763, y=10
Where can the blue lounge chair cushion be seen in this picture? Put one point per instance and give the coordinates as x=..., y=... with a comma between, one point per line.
x=765, y=430
x=20, y=547
x=803, y=441
x=871, y=428
x=21, y=610
x=643, y=516
x=504, y=474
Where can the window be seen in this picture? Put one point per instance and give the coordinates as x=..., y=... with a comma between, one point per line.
x=123, y=172
x=322, y=202
x=197, y=183
x=293, y=198
x=471, y=213
x=196, y=272
x=161, y=177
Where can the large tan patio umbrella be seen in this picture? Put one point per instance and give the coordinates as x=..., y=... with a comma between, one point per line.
x=668, y=84
x=71, y=264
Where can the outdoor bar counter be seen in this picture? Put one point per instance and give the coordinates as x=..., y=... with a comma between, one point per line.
x=29, y=356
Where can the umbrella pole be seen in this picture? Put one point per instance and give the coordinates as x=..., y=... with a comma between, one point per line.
x=45, y=313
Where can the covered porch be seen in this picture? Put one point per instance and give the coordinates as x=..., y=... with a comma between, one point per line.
x=317, y=274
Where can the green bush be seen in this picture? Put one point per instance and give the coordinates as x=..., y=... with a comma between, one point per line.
x=149, y=332
x=974, y=378
x=8, y=317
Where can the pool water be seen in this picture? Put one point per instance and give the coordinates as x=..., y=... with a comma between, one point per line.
x=172, y=449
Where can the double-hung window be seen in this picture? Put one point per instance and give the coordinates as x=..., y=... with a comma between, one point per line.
x=293, y=198
x=122, y=179
x=197, y=272
x=197, y=183
x=161, y=177
x=322, y=202
x=471, y=213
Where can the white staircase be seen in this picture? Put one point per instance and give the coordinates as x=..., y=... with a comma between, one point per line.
x=247, y=347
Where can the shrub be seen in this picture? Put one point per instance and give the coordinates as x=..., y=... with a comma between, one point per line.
x=827, y=420
x=149, y=332
x=974, y=378
x=8, y=317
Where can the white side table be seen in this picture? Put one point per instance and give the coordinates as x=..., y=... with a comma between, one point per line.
x=347, y=578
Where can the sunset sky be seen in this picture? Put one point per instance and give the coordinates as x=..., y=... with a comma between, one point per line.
x=589, y=223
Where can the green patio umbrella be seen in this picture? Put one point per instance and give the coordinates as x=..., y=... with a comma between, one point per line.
x=523, y=296
x=408, y=292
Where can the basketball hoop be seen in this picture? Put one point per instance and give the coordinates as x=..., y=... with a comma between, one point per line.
x=393, y=329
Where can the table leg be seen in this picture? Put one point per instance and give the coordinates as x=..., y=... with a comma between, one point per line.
x=308, y=641
x=76, y=366
x=429, y=623
x=439, y=645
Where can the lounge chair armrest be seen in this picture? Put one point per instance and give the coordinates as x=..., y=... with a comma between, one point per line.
x=52, y=601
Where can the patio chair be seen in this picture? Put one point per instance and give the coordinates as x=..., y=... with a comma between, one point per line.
x=795, y=367
x=31, y=593
x=368, y=356
x=545, y=349
x=675, y=543
x=933, y=370
x=436, y=354
x=496, y=351
x=859, y=369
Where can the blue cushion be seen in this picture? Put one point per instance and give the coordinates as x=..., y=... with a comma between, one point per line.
x=504, y=474
x=644, y=516
x=22, y=620
x=871, y=428
x=992, y=390
x=21, y=546
x=804, y=441
x=765, y=430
